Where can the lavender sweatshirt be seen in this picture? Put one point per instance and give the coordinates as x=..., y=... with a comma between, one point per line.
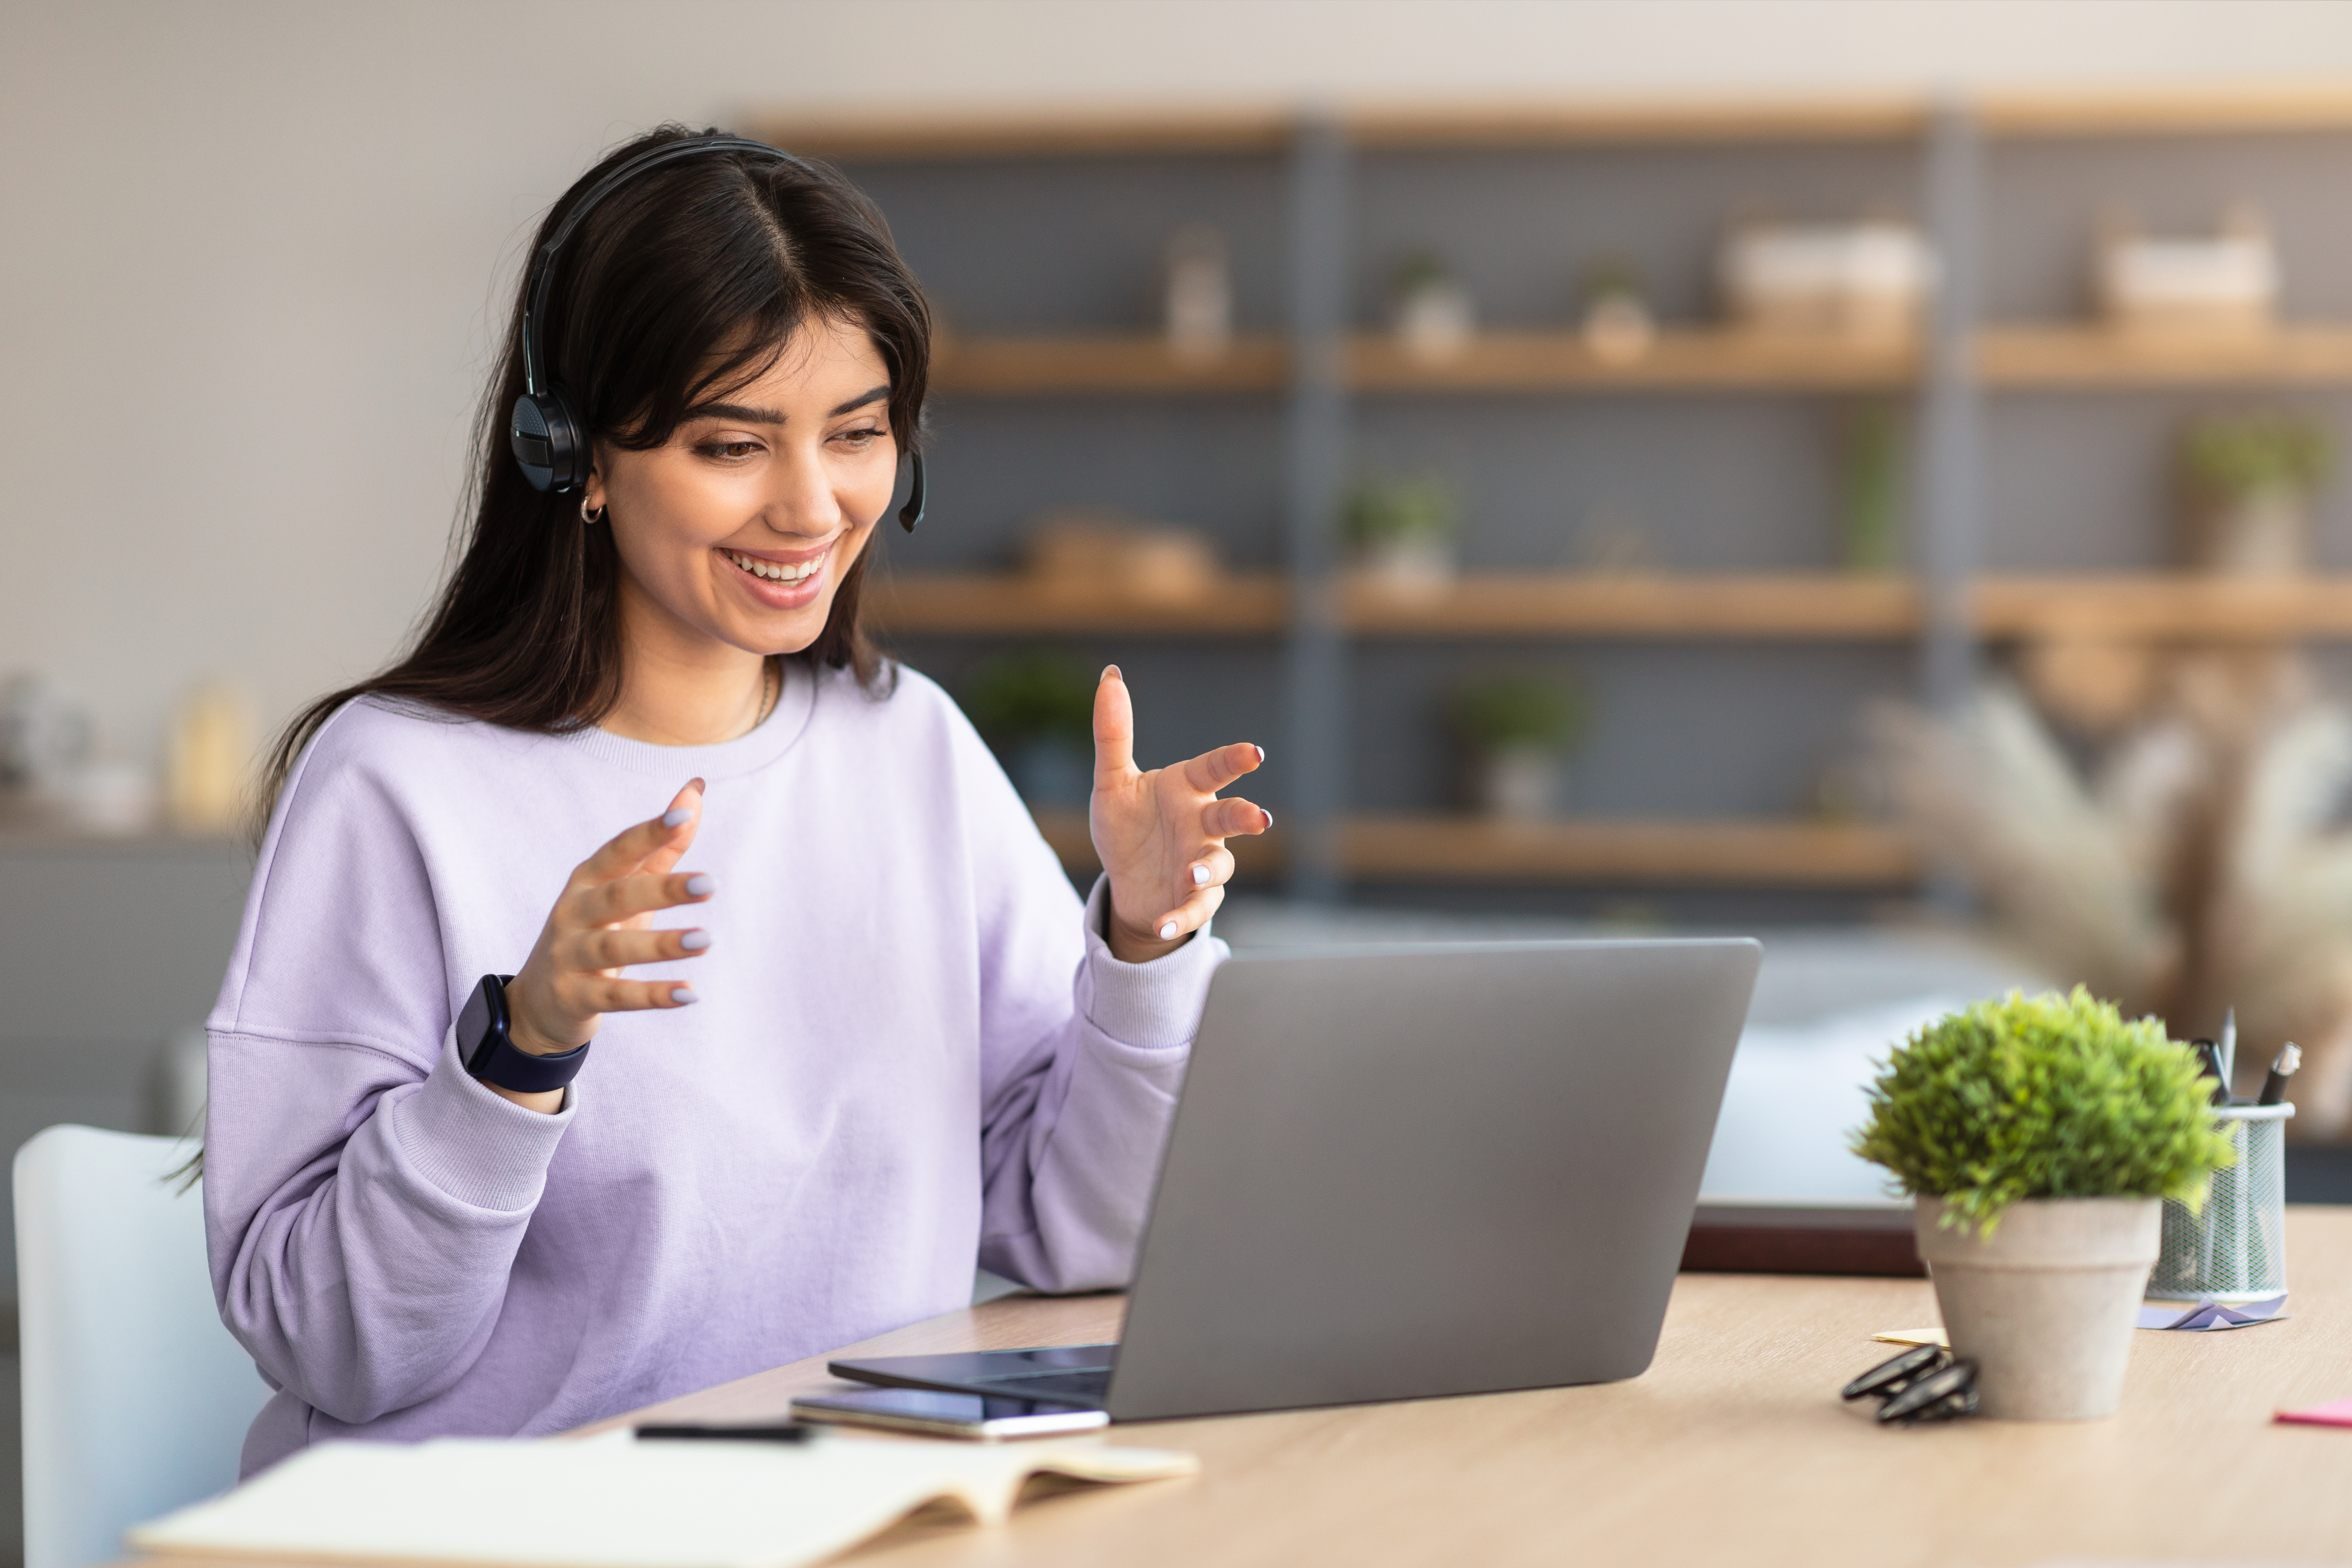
x=914, y=1053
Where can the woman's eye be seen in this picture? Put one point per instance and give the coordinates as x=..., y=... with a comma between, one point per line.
x=860, y=438
x=730, y=450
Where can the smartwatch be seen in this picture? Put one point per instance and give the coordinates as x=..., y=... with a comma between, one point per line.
x=490, y=1055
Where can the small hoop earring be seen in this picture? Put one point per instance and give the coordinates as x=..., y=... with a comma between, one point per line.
x=592, y=518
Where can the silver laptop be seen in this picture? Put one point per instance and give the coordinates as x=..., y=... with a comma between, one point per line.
x=1403, y=1173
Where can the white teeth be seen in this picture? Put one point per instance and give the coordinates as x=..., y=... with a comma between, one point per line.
x=776, y=571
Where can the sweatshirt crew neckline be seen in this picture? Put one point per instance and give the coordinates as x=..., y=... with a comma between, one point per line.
x=747, y=753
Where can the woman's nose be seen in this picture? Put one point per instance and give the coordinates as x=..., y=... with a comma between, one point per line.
x=804, y=501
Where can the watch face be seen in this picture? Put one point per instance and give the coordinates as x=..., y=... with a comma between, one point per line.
x=477, y=1034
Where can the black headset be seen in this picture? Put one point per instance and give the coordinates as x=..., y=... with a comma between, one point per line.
x=552, y=449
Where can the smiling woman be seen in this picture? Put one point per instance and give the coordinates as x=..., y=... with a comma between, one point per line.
x=915, y=1050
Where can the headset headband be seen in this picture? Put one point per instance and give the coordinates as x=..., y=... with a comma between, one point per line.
x=542, y=264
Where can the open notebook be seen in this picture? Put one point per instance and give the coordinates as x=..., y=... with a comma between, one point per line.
x=615, y=1502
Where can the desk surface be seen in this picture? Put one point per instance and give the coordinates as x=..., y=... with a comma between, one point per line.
x=1733, y=1448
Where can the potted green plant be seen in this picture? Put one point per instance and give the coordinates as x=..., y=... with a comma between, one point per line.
x=1435, y=317
x=1035, y=707
x=1517, y=730
x=2040, y=1135
x=1616, y=323
x=1871, y=485
x=1400, y=532
x=2250, y=478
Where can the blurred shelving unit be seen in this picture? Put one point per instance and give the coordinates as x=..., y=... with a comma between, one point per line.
x=1013, y=603
x=1066, y=366
x=1328, y=376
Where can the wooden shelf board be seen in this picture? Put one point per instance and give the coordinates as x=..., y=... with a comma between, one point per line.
x=2156, y=606
x=1045, y=367
x=2246, y=108
x=1682, y=359
x=1435, y=125
x=1715, y=853
x=2027, y=356
x=1589, y=604
x=1074, y=132
x=1013, y=603
x=1101, y=129
x=2061, y=356
x=2177, y=608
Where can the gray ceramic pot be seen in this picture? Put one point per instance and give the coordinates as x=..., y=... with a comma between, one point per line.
x=2047, y=1306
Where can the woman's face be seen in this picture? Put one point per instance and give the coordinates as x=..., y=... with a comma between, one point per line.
x=740, y=528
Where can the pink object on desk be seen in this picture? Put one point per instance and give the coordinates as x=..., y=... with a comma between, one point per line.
x=2335, y=1413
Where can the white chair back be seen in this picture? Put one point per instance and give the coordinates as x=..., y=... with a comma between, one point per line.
x=136, y=1398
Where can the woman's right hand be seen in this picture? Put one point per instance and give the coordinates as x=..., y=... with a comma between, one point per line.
x=602, y=924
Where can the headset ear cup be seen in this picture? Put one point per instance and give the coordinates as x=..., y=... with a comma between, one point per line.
x=568, y=452
x=912, y=512
x=547, y=443
x=527, y=434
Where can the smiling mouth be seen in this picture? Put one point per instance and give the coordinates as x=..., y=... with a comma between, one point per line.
x=782, y=571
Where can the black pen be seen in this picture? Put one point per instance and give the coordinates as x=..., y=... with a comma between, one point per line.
x=784, y=1432
x=2208, y=1065
x=2290, y=1057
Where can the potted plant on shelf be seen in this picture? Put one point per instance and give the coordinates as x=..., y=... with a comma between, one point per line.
x=1435, y=317
x=2250, y=478
x=2040, y=1136
x=1400, y=532
x=1616, y=324
x=1517, y=730
x=1035, y=707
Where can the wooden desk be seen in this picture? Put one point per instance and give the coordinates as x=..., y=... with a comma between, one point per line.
x=1733, y=1448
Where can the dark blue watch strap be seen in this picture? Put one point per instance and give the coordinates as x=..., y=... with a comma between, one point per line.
x=492, y=1056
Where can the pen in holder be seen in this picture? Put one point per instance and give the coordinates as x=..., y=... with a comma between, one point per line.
x=2234, y=1248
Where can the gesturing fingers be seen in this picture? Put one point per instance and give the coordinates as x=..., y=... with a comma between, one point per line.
x=597, y=928
x=1214, y=868
x=1213, y=771
x=625, y=898
x=669, y=834
x=1191, y=915
x=607, y=949
x=1114, y=726
x=1234, y=816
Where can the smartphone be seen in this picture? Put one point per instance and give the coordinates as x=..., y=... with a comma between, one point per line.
x=984, y=1417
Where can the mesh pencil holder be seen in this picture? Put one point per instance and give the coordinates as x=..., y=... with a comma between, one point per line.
x=2234, y=1248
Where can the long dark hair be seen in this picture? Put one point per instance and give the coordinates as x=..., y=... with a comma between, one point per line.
x=684, y=284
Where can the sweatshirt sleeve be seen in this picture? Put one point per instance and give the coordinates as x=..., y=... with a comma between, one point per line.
x=365, y=1196
x=1083, y=1057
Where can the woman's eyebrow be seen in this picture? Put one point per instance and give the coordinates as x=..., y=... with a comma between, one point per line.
x=737, y=411
x=751, y=415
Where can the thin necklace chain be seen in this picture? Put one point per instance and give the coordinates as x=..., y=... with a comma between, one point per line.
x=771, y=688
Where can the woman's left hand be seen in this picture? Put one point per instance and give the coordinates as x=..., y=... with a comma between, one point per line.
x=1161, y=835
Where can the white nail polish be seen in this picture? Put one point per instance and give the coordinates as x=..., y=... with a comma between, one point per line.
x=1199, y=876
x=1168, y=930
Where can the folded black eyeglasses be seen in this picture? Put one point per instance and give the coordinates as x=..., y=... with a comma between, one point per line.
x=1928, y=1383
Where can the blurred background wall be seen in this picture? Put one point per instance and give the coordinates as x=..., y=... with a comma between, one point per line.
x=253, y=253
